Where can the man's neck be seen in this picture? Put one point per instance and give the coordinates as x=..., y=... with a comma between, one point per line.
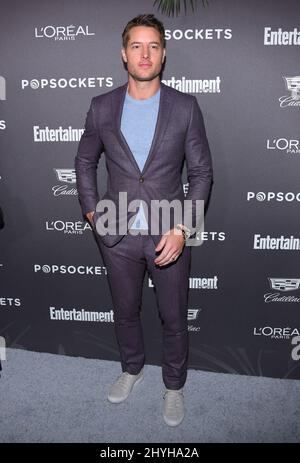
x=142, y=90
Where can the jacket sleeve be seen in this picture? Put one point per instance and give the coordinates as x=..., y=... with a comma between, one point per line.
x=198, y=160
x=86, y=162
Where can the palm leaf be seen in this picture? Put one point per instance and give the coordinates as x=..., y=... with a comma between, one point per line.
x=172, y=7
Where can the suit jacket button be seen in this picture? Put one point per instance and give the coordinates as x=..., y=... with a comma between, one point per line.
x=141, y=179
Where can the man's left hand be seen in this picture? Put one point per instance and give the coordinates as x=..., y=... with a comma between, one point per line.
x=172, y=243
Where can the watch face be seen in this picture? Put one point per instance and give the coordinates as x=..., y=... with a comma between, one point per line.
x=186, y=233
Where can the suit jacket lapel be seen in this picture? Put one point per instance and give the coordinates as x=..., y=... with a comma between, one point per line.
x=164, y=111
x=117, y=107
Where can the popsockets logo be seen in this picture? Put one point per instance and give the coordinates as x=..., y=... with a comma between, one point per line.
x=269, y=196
x=69, y=269
x=198, y=34
x=2, y=88
x=73, y=82
x=10, y=302
x=293, y=86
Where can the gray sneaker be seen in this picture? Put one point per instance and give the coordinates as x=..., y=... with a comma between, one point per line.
x=173, y=407
x=121, y=389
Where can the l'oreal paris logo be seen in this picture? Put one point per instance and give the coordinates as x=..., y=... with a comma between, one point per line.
x=62, y=33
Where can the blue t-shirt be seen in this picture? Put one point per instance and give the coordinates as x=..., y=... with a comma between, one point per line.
x=138, y=125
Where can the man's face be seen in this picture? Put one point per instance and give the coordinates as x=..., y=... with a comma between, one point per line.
x=144, y=53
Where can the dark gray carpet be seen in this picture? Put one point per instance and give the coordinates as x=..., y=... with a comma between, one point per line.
x=53, y=398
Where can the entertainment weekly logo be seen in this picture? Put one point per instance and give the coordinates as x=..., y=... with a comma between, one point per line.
x=64, y=82
x=284, y=285
x=84, y=315
x=271, y=196
x=280, y=243
x=292, y=84
x=80, y=315
x=197, y=283
x=62, y=33
x=194, y=85
x=47, y=135
x=198, y=34
x=288, y=146
x=281, y=37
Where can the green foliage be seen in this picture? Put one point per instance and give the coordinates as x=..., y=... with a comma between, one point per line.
x=174, y=7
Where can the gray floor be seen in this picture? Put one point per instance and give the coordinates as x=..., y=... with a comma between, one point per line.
x=52, y=398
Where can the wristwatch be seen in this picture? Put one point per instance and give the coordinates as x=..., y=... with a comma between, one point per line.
x=186, y=232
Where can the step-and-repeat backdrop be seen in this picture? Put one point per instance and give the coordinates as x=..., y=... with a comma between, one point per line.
x=241, y=61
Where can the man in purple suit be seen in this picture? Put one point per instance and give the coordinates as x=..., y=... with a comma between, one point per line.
x=146, y=130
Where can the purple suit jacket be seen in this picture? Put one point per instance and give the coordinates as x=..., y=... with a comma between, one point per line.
x=179, y=134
